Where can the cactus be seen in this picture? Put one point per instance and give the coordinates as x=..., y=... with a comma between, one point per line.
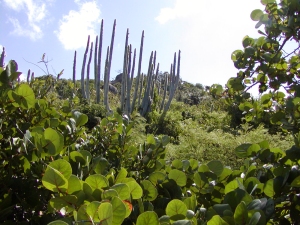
x=125, y=71
x=74, y=70
x=83, y=67
x=165, y=89
x=88, y=74
x=95, y=64
x=174, y=81
x=147, y=98
x=138, y=74
x=2, y=57
x=106, y=81
x=28, y=76
x=130, y=80
x=99, y=64
x=141, y=89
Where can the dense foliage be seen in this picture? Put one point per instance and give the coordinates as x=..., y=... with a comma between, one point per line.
x=64, y=160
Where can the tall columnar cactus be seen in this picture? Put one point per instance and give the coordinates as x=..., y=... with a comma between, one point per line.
x=125, y=71
x=129, y=86
x=166, y=83
x=83, y=68
x=138, y=74
x=74, y=70
x=147, y=98
x=99, y=65
x=88, y=73
x=95, y=63
x=2, y=57
x=141, y=89
x=106, y=81
x=28, y=76
x=174, y=81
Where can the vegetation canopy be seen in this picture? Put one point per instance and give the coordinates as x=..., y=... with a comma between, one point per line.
x=68, y=158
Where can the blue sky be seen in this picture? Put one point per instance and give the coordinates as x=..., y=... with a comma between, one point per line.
x=206, y=32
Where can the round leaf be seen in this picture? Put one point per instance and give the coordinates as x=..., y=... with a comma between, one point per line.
x=92, y=211
x=240, y=214
x=123, y=190
x=135, y=189
x=256, y=14
x=178, y=176
x=54, y=141
x=119, y=210
x=74, y=184
x=149, y=190
x=97, y=181
x=105, y=213
x=176, y=209
x=147, y=218
x=217, y=220
x=216, y=167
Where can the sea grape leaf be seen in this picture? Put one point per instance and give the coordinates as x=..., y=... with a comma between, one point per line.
x=92, y=211
x=217, y=220
x=149, y=190
x=123, y=190
x=176, y=209
x=119, y=210
x=240, y=213
x=178, y=176
x=105, y=213
x=216, y=167
x=147, y=218
x=136, y=191
x=97, y=181
x=54, y=141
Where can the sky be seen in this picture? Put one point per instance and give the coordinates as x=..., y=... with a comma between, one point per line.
x=206, y=33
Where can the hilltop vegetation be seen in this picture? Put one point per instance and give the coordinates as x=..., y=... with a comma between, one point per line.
x=72, y=153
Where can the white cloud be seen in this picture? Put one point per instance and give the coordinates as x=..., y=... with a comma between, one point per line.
x=181, y=9
x=35, y=12
x=77, y=25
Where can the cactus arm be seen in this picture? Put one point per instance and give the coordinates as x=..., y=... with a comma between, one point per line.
x=74, y=70
x=138, y=73
x=106, y=81
x=88, y=73
x=95, y=63
x=125, y=70
x=99, y=64
x=83, y=67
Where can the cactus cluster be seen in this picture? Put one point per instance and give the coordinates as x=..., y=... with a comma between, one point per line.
x=142, y=95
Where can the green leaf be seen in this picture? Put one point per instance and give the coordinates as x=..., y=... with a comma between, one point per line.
x=105, y=213
x=119, y=210
x=157, y=177
x=26, y=95
x=136, y=191
x=183, y=222
x=200, y=179
x=216, y=167
x=121, y=175
x=269, y=188
x=80, y=118
x=147, y=218
x=240, y=214
x=149, y=190
x=296, y=182
x=254, y=219
x=190, y=202
x=265, y=2
x=217, y=220
x=58, y=222
x=97, y=181
x=92, y=211
x=123, y=190
x=177, y=164
x=74, y=184
x=221, y=208
x=176, y=209
x=54, y=141
x=178, y=176
x=54, y=180
x=256, y=14
x=241, y=151
x=232, y=185
x=67, y=202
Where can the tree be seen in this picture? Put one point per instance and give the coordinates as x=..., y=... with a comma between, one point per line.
x=271, y=63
